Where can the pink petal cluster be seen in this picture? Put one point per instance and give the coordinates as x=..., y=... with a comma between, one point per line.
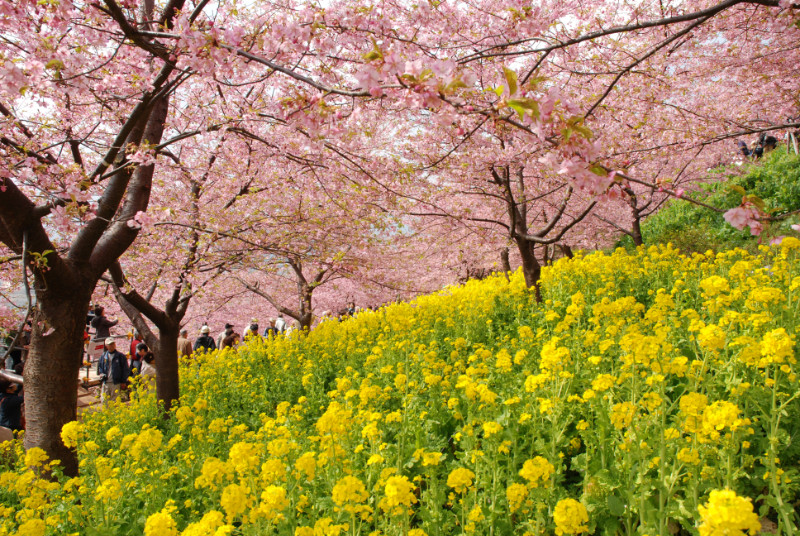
x=746, y=215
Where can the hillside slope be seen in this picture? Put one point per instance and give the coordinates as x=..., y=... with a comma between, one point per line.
x=691, y=228
x=646, y=384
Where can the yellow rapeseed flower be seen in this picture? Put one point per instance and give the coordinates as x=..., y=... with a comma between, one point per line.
x=727, y=514
x=460, y=479
x=537, y=471
x=160, y=524
x=71, y=433
x=570, y=517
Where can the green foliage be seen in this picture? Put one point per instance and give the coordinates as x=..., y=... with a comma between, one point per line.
x=691, y=228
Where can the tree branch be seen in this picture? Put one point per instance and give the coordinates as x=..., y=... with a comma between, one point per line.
x=269, y=298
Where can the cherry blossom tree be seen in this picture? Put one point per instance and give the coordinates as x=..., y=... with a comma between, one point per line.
x=102, y=99
x=631, y=84
x=90, y=91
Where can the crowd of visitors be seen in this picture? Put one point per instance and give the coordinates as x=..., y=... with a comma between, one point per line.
x=229, y=338
x=117, y=370
x=764, y=144
x=12, y=399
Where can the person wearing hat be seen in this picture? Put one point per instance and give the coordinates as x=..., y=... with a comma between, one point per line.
x=227, y=331
x=252, y=329
x=205, y=341
x=113, y=371
x=271, y=330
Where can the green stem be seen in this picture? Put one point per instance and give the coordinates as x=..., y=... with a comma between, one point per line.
x=788, y=524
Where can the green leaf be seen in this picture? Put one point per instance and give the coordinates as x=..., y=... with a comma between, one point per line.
x=535, y=81
x=511, y=80
x=576, y=123
x=457, y=83
x=758, y=202
x=597, y=169
x=738, y=189
x=55, y=64
x=374, y=54
x=523, y=106
x=615, y=506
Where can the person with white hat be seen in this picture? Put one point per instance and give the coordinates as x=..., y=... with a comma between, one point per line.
x=205, y=340
x=113, y=371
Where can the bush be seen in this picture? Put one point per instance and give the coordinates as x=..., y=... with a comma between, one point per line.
x=692, y=228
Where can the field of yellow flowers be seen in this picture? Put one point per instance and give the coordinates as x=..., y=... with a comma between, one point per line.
x=651, y=394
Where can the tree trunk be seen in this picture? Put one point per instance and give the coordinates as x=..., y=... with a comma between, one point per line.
x=567, y=251
x=531, y=268
x=167, y=384
x=636, y=213
x=51, y=373
x=505, y=261
x=305, y=308
x=636, y=230
x=164, y=346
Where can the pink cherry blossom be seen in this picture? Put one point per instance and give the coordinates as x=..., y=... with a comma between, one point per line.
x=743, y=216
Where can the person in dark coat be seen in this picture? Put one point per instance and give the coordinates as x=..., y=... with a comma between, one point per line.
x=205, y=341
x=101, y=324
x=113, y=371
x=11, y=401
x=743, y=148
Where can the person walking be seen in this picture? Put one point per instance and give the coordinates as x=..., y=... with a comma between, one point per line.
x=231, y=340
x=113, y=371
x=271, y=331
x=205, y=341
x=225, y=332
x=149, y=371
x=184, y=344
x=252, y=329
x=136, y=339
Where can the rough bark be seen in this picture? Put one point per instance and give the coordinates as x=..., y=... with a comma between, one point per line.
x=167, y=382
x=305, y=316
x=51, y=372
x=531, y=267
x=636, y=213
x=636, y=231
x=165, y=345
x=505, y=261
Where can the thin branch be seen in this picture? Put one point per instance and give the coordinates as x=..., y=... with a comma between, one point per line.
x=639, y=60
